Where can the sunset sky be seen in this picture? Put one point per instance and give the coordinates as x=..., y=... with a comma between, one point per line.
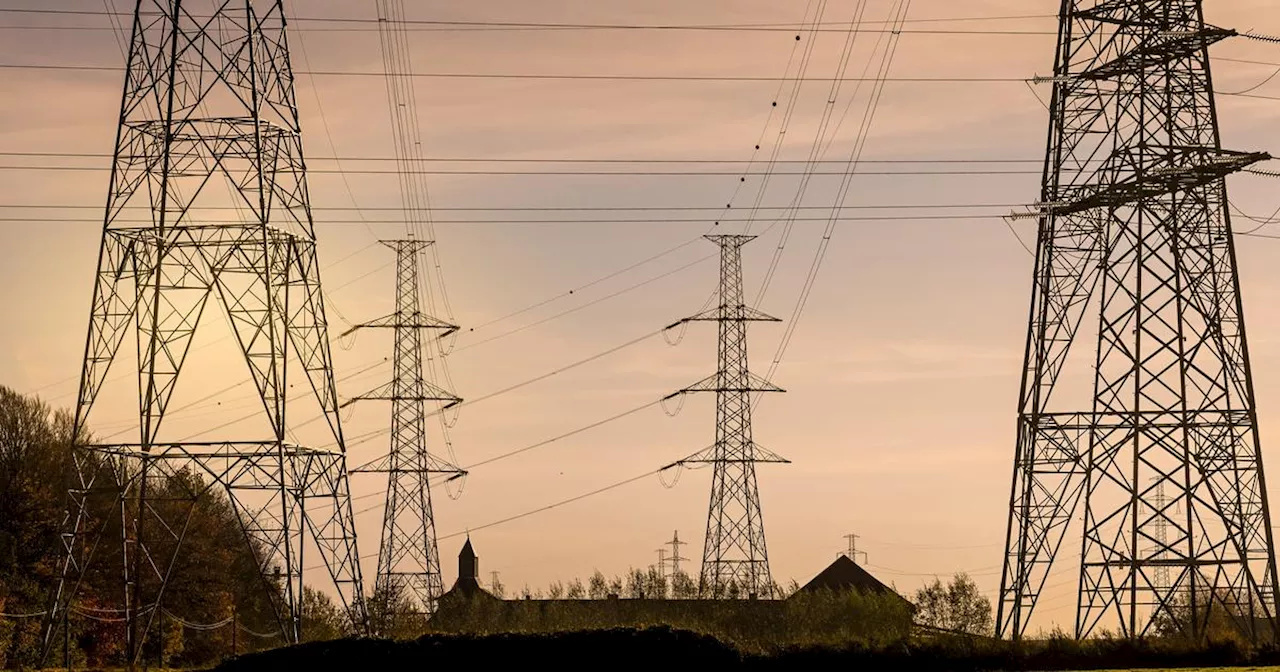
x=903, y=372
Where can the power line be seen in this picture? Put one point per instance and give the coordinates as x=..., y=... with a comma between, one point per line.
x=355, y=441
x=1011, y=33
x=419, y=24
x=526, y=514
x=589, y=304
x=577, y=173
x=629, y=160
x=580, y=430
x=553, y=76
x=886, y=62
x=690, y=220
x=818, y=151
x=324, y=124
x=543, y=509
x=584, y=208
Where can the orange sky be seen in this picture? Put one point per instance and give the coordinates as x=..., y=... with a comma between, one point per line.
x=903, y=372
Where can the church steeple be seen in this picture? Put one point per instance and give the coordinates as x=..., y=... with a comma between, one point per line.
x=468, y=571
x=468, y=563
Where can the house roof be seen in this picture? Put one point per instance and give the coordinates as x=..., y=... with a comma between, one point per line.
x=845, y=574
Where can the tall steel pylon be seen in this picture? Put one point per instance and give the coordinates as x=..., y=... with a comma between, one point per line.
x=408, y=560
x=1159, y=451
x=209, y=124
x=734, y=554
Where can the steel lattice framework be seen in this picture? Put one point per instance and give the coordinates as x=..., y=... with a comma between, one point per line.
x=209, y=118
x=1165, y=467
x=408, y=560
x=734, y=555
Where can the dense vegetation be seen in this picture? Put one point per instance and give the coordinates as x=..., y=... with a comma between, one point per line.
x=215, y=575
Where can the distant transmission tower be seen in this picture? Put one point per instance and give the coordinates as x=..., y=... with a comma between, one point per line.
x=408, y=560
x=676, y=558
x=1133, y=215
x=1160, y=536
x=734, y=556
x=208, y=124
x=852, y=553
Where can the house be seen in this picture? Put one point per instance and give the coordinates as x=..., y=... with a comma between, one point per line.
x=845, y=575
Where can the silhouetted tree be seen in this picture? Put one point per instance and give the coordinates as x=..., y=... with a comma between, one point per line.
x=393, y=614
x=35, y=458
x=635, y=583
x=958, y=606
x=655, y=584
x=321, y=618
x=683, y=587
x=1215, y=615
x=597, y=587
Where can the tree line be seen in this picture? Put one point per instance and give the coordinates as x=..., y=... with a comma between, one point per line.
x=650, y=583
x=957, y=606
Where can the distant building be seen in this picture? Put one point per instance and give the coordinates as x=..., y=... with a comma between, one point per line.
x=844, y=575
x=467, y=606
x=468, y=581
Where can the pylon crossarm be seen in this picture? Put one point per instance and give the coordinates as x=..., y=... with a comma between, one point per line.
x=726, y=313
x=1165, y=48
x=756, y=455
x=389, y=464
x=413, y=321
x=388, y=392
x=717, y=383
x=1175, y=169
x=207, y=450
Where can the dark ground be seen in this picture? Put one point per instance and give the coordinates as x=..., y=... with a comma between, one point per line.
x=657, y=648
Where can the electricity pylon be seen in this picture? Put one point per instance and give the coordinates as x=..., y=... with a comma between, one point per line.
x=675, y=558
x=209, y=124
x=408, y=560
x=1133, y=222
x=734, y=556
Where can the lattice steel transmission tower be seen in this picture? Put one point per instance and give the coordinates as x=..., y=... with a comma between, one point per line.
x=735, y=559
x=676, y=558
x=209, y=157
x=1134, y=230
x=408, y=560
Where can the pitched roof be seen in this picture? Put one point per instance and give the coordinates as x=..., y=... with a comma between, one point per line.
x=845, y=574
